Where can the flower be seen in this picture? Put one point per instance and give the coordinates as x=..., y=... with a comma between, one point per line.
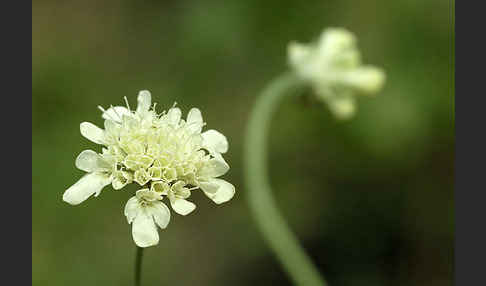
x=143, y=211
x=333, y=67
x=162, y=153
x=100, y=174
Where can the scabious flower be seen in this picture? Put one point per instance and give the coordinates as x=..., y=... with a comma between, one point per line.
x=332, y=65
x=164, y=154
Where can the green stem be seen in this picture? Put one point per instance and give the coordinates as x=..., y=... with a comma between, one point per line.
x=273, y=226
x=138, y=265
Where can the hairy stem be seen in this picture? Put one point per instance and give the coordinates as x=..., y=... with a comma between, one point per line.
x=138, y=265
x=271, y=223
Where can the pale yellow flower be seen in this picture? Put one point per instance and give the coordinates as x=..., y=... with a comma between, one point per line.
x=162, y=153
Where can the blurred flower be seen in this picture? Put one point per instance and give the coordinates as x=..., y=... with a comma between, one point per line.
x=332, y=65
x=163, y=153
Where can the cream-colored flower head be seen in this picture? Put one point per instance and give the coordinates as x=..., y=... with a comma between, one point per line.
x=164, y=154
x=332, y=65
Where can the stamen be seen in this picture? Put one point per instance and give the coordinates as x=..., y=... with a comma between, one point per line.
x=126, y=102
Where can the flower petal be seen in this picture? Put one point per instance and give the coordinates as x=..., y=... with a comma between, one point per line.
x=215, y=167
x=144, y=232
x=144, y=100
x=209, y=187
x=160, y=213
x=131, y=209
x=89, y=161
x=121, y=179
x=148, y=195
x=88, y=185
x=225, y=192
x=182, y=206
x=160, y=187
x=367, y=79
x=116, y=113
x=112, y=127
x=298, y=54
x=92, y=132
x=216, y=141
x=343, y=107
x=174, y=115
x=195, y=120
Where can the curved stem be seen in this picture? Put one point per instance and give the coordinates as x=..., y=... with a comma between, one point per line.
x=138, y=265
x=271, y=223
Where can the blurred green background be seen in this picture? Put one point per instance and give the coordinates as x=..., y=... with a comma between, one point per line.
x=371, y=199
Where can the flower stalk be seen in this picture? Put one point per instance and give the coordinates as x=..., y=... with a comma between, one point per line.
x=270, y=221
x=332, y=67
x=138, y=266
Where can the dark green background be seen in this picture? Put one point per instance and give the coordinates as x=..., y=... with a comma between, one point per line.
x=371, y=199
